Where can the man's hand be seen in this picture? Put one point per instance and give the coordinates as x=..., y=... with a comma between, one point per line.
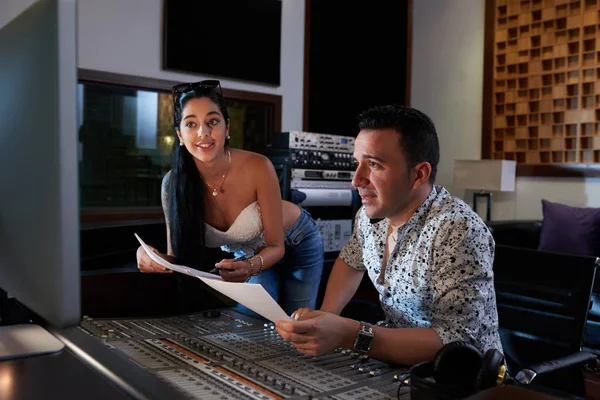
x=318, y=332
x=297, y=315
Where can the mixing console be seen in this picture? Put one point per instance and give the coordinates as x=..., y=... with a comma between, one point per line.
x=221, y=354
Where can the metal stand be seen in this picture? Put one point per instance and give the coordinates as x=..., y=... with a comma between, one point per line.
x=488, y=196
x=25, y=340
x=20, y=333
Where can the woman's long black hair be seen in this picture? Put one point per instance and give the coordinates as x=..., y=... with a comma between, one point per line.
x=185, y=190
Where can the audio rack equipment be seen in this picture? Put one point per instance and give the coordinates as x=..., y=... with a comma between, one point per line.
x=324, y=187
x=222, y=354
x=314, y=150
x=335, y=233
x=317, y=159
x=313, y=141
x=319, y=178
x=315, y=170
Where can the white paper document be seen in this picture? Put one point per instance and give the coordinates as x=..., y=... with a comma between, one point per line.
x=178, y=268
x=251, y=295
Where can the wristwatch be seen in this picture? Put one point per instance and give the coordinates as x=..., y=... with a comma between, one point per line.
x=364, y=338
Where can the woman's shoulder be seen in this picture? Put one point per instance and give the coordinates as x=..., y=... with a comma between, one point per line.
x=164, y=195
x=165, y=179
x=258, y=162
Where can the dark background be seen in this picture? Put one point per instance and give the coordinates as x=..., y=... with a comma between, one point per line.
x=357, y=58
x=238, y=39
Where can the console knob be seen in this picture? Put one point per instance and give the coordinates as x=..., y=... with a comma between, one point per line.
x=211, y=313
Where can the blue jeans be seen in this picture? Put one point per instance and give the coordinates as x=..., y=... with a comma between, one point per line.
x=294, y=281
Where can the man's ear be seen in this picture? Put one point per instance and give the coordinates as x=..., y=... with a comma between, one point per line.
x=423, y=171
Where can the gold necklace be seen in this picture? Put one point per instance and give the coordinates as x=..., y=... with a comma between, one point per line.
x=214, y=188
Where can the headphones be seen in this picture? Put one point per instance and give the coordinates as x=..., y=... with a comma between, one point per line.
x=458, y=370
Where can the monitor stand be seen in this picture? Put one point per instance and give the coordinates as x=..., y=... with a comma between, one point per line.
x=21, y=331
x=25, y=340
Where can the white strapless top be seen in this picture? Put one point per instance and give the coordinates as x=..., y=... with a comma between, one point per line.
x=245, y=235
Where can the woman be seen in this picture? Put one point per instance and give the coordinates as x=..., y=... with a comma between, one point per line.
x=230, y=198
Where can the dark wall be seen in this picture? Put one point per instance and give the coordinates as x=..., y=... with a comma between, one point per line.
x=357, y=56
x=111, y=285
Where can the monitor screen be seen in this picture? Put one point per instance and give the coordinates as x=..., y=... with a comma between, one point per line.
x=239, y=39
x=39, y=208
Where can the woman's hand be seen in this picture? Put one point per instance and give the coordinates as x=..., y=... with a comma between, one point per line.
x=235, y=270
x=146, y=264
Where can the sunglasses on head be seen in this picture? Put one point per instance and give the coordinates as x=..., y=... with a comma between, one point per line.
x=183, y=88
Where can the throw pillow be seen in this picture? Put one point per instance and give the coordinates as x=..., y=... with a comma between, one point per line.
x=571, y=230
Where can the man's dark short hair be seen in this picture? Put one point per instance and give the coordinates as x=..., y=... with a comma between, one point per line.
x=418, y=137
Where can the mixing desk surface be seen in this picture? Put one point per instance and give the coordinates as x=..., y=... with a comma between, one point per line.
x=221, y=354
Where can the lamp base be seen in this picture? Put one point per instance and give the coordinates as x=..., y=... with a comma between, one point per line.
x=488, y=196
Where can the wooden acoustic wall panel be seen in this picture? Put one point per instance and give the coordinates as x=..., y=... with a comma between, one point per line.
x=546, y=90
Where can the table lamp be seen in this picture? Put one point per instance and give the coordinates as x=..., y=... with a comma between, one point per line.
x=485, y=177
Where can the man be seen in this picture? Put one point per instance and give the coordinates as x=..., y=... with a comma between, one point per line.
x=427, y=253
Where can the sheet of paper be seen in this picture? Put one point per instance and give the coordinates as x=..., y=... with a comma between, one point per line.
x=179, y=268
x=251, y=295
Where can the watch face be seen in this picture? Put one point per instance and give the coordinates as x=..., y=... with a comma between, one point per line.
x=363, y=342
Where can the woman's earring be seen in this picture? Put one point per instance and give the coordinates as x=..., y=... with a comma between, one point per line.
x=181, y=142
x=228, y=137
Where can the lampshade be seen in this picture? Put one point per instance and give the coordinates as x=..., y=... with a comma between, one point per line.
x=487, y=175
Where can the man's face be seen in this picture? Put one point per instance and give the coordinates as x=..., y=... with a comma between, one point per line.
x=383, y=178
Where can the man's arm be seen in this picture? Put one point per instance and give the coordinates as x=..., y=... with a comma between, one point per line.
x=347, y=272
x=463, y=285
x=406, y=346
x=341, y=286
x=319, y=332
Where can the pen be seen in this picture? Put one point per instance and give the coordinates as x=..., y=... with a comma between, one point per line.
x=212, y=271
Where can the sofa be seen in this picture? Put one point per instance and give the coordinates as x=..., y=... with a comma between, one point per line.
x=526, y=234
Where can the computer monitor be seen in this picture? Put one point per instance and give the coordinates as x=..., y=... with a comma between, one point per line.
x=39, y=205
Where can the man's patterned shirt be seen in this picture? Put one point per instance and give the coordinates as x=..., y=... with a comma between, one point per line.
x=439, y=274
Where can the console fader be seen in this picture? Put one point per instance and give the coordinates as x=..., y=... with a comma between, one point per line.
x=221, y=354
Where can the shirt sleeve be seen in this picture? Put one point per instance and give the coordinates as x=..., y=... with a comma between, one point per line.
x=463, y=279
x=352, y=252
